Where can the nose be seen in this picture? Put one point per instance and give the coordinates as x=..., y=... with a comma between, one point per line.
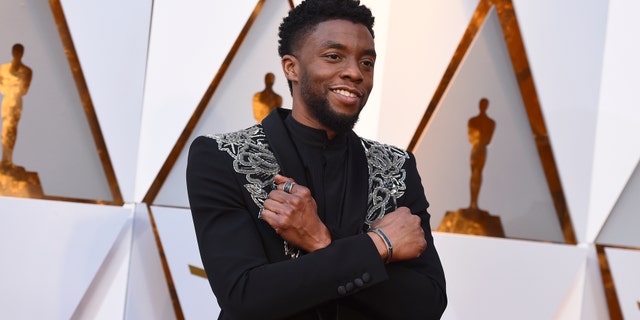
x=352, y=71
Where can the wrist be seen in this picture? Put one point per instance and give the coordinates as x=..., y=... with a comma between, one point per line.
x=324, y=241
x=383, y=244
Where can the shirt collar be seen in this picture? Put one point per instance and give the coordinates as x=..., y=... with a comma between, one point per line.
x=312, y=136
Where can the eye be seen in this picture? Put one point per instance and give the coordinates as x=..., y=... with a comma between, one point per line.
x=368, y=63
x=332, y=56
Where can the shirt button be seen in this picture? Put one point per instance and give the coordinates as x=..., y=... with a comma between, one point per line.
x=342, y=290
x=359, y=283
x=366, y=277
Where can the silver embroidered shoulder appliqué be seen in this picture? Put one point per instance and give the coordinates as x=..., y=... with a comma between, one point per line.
x=252, y=157
x=386, y=178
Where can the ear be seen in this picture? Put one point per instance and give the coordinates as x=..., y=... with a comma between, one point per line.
x=290, y=67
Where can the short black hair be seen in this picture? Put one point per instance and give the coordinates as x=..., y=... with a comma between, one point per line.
x=303, y=19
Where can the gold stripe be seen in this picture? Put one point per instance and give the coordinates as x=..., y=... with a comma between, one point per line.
x=155, y=187
x=615, y=312
x=520, y=64
x=517, y=53
x=85, y=97
x=472, y=29
x=197, y=271
x=177, y=308
x=179, y=146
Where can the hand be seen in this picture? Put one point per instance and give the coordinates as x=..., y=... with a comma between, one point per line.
x=405, y=233
x=294, y=216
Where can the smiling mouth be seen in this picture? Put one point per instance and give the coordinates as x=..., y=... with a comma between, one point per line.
x=345, y=93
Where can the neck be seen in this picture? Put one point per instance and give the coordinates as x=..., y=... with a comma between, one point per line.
x=309, y=121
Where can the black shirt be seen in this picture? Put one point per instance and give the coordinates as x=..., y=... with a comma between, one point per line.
x=326, y=166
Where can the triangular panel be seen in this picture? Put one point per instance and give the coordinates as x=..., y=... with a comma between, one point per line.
x=110, y=38
x=623, y=266
x=180, y=249
x=50, y=253
x=617, y=147
x=148, y=292
x=231, y=106
x=189, y=43
x=106, y=296
x=508, y=279
x=621, y=227
x=482, y=148
x=53, y=145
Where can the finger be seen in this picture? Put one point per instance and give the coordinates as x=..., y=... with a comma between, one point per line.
x=275, y=206
x=279, y=196
x=280, y=179
x=272, y=218
x=268, y=216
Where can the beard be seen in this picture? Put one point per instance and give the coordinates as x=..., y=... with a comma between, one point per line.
x=321, y=109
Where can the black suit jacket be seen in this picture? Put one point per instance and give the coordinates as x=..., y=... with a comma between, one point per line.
x=251, y=273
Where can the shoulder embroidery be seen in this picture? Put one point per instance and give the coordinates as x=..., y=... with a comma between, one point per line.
x=253, y=158
x=386, y=178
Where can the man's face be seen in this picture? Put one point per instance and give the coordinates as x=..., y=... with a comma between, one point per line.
x=334, y=75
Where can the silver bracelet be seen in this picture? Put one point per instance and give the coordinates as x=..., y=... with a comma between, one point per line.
x=387, y=242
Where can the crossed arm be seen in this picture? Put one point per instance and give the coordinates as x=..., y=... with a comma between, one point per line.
x=251, y=278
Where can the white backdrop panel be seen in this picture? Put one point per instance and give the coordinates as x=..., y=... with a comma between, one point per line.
x=513, y=181
x=50, y=252
x=148, y=294
x=491, y=278
x=188, y=43
x=624, y=265
x=418, y=53
x=594, y=304
x=178, y=237
x=621, y=228
x=565, y=49
x=106, y=296
x=617, y=147
x=111, y=40
x=230, y=109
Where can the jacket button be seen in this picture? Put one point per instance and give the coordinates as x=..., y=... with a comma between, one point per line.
x=359, y=283
x=342, y=290
x=366, y=277
x=349, y=286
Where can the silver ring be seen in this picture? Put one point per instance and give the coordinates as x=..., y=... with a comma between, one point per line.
x=288, y=186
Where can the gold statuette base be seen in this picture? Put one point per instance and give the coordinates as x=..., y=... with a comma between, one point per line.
x=15, y=181
x=471, y=221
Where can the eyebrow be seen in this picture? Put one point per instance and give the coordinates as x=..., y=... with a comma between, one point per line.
x=336, y=45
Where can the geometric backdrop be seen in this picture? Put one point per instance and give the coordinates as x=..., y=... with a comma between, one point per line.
x=147, y=66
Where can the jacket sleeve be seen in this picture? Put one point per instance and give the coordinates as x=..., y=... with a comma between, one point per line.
x=416, y=288
x=237, y=249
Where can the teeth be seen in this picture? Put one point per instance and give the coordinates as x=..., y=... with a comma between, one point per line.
x=345, y=93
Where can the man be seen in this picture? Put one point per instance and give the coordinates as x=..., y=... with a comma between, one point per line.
x=299, y=218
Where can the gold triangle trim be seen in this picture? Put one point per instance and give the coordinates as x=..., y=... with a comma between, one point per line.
x=613, y=303
x=177, y=308
x=155, y=187
x=181, y=143
x=85, y=97
x=517, y=53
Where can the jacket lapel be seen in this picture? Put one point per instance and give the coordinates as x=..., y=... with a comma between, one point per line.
x=282, y=146
x=355, y=203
